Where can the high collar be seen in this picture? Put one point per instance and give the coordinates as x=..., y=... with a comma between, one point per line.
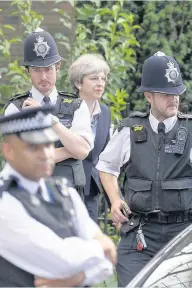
x=97, y=108
x=169, y=123
x=39, y=97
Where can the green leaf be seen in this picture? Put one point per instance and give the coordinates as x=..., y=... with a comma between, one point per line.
x=13, y=40
x=9, y=27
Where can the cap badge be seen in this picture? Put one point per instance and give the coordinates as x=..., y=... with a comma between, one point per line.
x=41, y=48
x=159, y=54
x=172, y=72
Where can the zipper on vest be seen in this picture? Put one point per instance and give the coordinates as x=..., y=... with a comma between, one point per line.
x=157, y=182
x=161, y=140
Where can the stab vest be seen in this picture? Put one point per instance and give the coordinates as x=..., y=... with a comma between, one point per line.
x=67, y=104
x=57, y=216
x=158, y=175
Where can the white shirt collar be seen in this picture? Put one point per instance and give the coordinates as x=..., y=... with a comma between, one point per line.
x=169, y=123
x=39, y=97
x=8, y=171
x=97, y=109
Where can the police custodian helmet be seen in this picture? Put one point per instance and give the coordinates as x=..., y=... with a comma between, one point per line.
x=161, y=74
x=40, y=49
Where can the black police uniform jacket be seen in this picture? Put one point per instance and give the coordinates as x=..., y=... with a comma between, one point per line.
x=158, y=175
x=65, y=107
x=56, y=216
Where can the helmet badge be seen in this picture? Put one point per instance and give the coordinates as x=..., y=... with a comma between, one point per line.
x=171, y=73
x=41, y=48
x=159, y=54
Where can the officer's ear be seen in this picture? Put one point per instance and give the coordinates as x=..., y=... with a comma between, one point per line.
x=57, y=66
x=149, y=96
x=7, y=149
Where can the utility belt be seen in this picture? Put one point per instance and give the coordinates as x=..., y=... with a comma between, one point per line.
x=174, y=217
x=136, y=221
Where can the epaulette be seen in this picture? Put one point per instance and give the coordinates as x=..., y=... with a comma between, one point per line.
x=138, y=114
x=184, y=116
x=6, y=184
x=67, y=94
x=18, y=96
x=124, y=123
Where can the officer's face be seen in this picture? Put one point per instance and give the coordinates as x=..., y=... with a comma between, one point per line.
x=163, y=106
x=44, y=78
x=92, y=86
x=31, y=160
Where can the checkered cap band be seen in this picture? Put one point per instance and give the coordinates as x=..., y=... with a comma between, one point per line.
x=39, y=121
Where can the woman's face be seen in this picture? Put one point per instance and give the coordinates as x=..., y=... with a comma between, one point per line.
x=92, y=86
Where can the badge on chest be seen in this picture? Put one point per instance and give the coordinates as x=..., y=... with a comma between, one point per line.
x=139, y=133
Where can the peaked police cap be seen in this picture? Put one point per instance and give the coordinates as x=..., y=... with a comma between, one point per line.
x=32, y=125
x=40, y=49
x=161, y=74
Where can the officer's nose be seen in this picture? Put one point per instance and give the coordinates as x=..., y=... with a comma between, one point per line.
x=43, y=75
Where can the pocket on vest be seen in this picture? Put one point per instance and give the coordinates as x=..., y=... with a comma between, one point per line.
x=176, y=195
x=72, y=170
x=139, y=194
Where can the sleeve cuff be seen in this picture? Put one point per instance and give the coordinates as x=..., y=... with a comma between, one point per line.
x=99, y=273
x=104, y=167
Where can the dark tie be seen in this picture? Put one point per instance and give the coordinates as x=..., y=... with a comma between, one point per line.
x=47, y=100
x=161, y=128
x=161, y=132
x=39, y=193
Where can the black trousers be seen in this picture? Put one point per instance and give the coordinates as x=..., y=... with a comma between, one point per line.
x=130, y=260
x=92, y=201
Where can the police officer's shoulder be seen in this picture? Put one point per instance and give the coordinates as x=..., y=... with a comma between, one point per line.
x=67, y=94
x=7, y=184
x=70, y=98
x=187, y=118
x=17, y=97
x=127, y=122
x=138, y=114
x=181, y=115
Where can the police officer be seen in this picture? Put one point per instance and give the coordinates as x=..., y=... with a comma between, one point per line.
x=156, y=148
x=42, y=221
x=42, y=60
